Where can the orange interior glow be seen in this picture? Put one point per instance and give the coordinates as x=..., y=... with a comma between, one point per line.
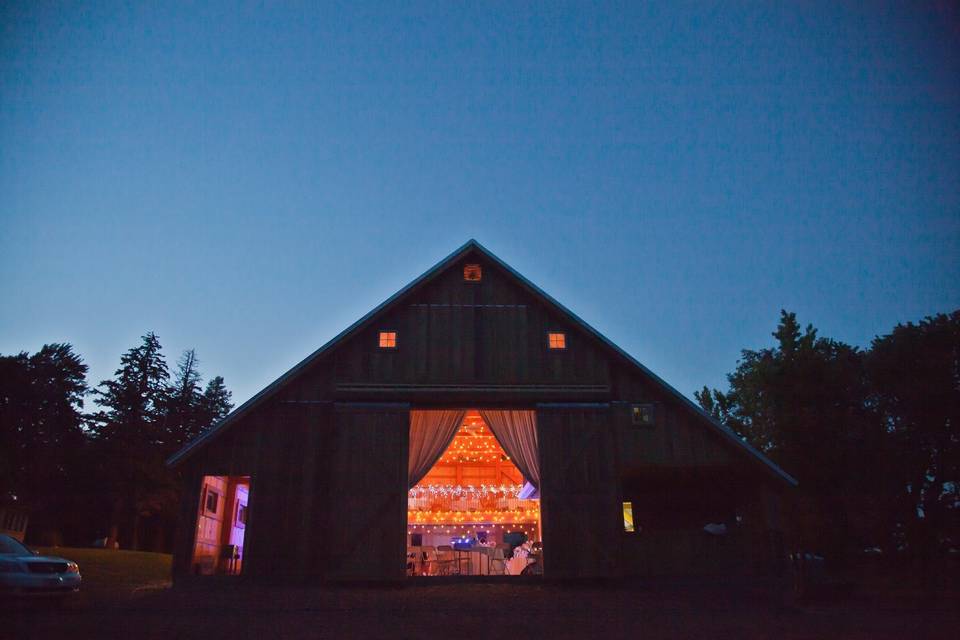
x=388, y=339
x=472, y=490
x=557, y=340
x=472, y=273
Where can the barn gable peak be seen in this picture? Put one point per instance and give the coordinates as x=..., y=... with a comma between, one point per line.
x=460, y=258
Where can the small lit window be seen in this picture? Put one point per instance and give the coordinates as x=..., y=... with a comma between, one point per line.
x=642, y=415
x=628, y=517
x=212, y=500
x=241, y=514
x=472, y=273
x=557, y=340
x=388, y=340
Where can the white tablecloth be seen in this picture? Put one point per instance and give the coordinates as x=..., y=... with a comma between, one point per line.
x=516, y=565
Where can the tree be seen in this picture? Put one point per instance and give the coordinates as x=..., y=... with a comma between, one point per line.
x=130, y=435
x=216, y=402
x=41, y=426
x=915, y=376
x=134, y=401
x=185, y=404
x=189, y=411
x=803, y=403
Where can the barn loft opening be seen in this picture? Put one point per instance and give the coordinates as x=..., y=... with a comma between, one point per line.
x=221, y=525
x=473, y=508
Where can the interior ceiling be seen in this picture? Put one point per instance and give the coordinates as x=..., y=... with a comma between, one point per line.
x=474, y=444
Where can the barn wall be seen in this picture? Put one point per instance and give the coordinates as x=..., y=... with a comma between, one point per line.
x=285, y=450
x=319, y=461
x=675, y=440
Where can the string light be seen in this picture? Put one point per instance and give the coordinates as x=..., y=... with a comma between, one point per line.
x=437, y=508
x=465, y=491
x=487, y=516
x=473, y=444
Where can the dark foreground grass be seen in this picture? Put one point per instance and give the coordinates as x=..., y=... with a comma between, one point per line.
x=464, y=611
x=110, y=576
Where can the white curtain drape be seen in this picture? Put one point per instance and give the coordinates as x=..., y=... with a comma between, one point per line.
x=431, y=432
x=517, y=433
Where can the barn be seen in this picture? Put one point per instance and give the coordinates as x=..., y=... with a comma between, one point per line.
x=472, y=425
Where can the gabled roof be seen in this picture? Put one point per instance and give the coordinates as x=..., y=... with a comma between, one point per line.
x=427, y=276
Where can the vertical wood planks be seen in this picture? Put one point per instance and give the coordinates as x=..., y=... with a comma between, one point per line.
x=368, y=501
x=579, y=491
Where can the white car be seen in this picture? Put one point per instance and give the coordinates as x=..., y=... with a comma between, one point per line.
x=23, y=572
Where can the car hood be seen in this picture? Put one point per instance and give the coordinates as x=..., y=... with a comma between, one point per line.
x=32, y=558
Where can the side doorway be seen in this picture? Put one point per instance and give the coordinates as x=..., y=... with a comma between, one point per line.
x=221, y=525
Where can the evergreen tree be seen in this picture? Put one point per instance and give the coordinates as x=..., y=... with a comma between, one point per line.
x=216, y=402
x=130, y=433
x=185, y=405
x=135, y=400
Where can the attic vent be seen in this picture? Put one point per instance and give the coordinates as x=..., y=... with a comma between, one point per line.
x=472, y=273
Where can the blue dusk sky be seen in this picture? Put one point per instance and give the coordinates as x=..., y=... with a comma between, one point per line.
x=249, y=180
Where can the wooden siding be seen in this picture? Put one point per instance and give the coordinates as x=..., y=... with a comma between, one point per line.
x=285, y=450
x=458, y=333
x=368, y=505
x=674, y=440
x=579, y=491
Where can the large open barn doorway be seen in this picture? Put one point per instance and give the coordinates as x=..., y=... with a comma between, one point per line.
x=474, y=508
x=221, y=525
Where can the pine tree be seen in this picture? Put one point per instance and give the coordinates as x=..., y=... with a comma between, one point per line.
x=185, y=404
x=130, y=434
x=134, y=401
x=216, y=401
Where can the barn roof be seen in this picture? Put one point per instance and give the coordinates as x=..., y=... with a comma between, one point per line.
x=427, y=276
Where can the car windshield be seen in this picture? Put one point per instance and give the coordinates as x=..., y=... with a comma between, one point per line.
x=11, y=545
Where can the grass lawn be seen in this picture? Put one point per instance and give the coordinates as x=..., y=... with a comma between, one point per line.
x=114, y=575
x=220, y=610
x=125, y=595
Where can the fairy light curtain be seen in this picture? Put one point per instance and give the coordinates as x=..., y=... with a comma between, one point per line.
x=516, y=431
x=431, y=432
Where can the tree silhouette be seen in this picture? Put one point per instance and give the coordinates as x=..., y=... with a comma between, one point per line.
x=130, y=436
x=41, y=424
x=803, y=403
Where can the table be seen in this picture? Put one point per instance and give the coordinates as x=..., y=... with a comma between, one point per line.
x=477, y=561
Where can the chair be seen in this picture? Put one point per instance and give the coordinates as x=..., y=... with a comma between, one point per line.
x=414, y=561
x=430, y=564
x=411, y=562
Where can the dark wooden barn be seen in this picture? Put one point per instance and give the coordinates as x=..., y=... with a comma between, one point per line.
x=311, y=478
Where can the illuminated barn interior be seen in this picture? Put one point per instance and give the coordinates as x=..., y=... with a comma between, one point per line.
x=473, y=512
x=221, y=524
